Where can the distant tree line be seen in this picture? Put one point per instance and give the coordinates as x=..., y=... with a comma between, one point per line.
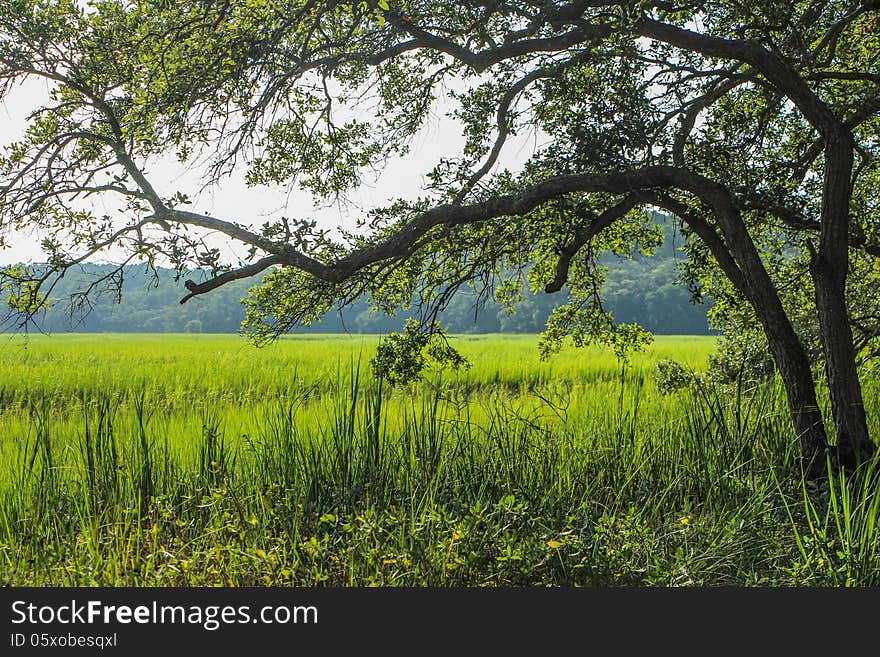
x=639, y=289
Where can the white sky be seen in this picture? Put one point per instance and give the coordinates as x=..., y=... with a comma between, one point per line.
x=233, y=200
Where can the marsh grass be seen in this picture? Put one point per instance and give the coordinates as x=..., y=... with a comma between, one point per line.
x=198, y=461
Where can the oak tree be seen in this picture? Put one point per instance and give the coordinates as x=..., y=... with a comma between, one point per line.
x=754, y=124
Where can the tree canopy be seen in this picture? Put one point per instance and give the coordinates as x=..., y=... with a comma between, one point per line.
x=755, y=124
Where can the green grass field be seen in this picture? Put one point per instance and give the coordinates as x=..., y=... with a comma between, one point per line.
x=202, y=460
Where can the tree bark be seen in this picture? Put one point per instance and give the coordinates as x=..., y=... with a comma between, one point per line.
x=740, y=261
x=854, y=445
x=829, y=270
x=785, y=345
x=789, y=355
x=800, y=389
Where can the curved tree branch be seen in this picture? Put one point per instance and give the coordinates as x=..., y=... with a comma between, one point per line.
x=584, y=235
x=253, y=269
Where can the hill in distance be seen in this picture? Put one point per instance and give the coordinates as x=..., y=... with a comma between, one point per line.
x=641, y=290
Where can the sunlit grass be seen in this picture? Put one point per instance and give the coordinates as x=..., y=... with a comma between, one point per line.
x=192, y=460
x=185, y=367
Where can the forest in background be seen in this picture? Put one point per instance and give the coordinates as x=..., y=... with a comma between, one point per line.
x=641, y=290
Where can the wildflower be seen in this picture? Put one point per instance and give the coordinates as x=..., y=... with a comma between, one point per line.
x=685, y=521
x=261, y=554
x=554, y=544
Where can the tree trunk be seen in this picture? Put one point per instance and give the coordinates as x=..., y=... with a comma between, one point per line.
x=829, y=270
x=785, y=345
x=740, y=261
x=854, y=445
x=794, y=368
x=797, y=377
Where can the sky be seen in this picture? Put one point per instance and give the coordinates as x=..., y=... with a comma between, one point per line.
x=235, y=201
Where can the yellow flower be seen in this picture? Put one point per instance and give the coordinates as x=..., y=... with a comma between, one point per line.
x=554, y=544
x=685, y=521
x=261, y=554
x=386, y=562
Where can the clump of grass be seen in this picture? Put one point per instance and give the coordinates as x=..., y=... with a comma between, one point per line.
x=836, y=527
